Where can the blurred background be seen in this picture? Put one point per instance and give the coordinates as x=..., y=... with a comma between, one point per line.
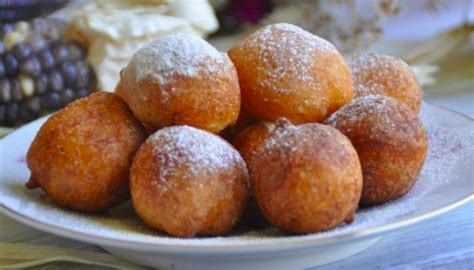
x=55, y=51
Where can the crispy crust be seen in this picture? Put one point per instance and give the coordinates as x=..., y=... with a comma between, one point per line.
x=81, y=156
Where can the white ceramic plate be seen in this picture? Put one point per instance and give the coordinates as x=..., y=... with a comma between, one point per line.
x=445, y=183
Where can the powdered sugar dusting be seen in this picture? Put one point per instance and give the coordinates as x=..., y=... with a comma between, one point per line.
x=361, y=108
x=270, y=126
x=282, y=140
x=287, y=51
x=380, y=117
x=172, y=55
x=200, y=150
x=384, y=112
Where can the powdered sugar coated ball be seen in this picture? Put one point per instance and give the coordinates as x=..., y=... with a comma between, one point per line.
x=181, y=79
x=186, y=182
x=285, y=71
x=377, y=74
x=306, y=178
x=391, y=143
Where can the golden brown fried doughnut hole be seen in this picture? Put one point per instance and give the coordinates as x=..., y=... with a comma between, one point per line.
x=390, y=141
x=187, y=182
x=377, y=74
x=180, y=79
x=285, y=71
x=251, y=138
x=247, y=143
x=306, y=178
x=82, y=155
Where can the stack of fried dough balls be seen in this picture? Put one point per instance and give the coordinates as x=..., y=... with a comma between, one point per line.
x=303, y=153
x=183, y=180
x=385, y=130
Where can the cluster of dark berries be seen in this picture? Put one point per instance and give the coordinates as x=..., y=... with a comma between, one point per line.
x=39, y=72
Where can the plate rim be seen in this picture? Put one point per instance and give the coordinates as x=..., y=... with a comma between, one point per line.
x=286, y=243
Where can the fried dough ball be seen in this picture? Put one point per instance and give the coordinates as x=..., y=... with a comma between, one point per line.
x=306, y=178
x=82, y=155
x=285, y=71
x=247, y=143
x=377, y=74
x=251, y=138
x=390, y=141
x=186, y=182
x=180, y=79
